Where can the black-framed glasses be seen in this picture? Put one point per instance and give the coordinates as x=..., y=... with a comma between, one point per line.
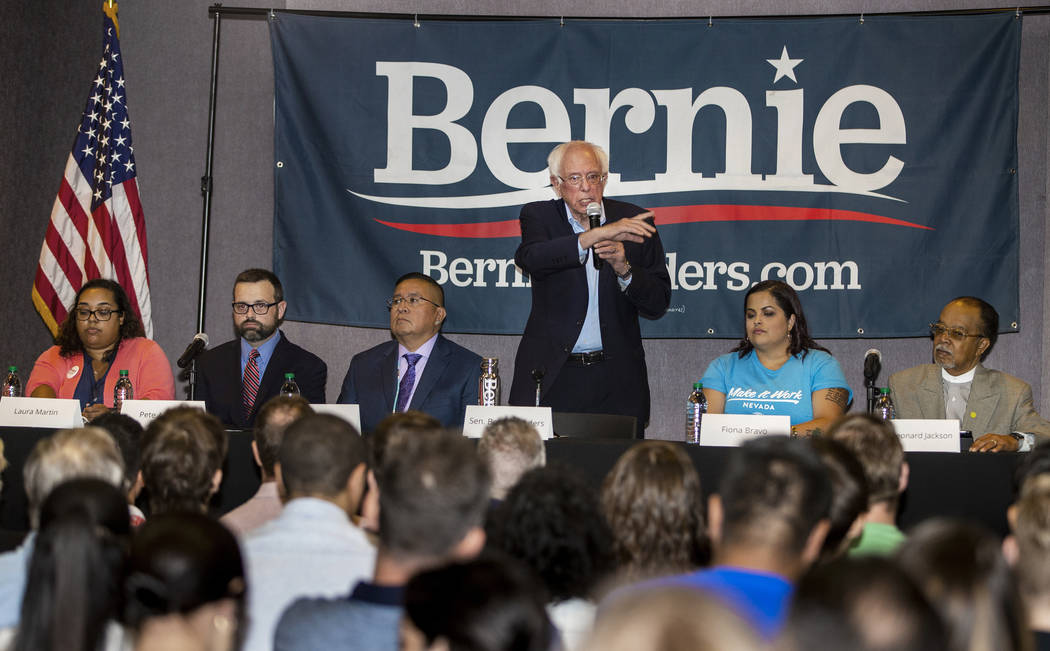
x=412, y=301
x=593, y=178
x=259, y=308
x=957, y=334
x=101, y=313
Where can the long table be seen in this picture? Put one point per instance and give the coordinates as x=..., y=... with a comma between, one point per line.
x=969, y=485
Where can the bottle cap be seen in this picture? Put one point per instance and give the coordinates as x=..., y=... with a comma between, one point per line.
x=289, y=376
x=698, y=385
x=123, y=373
x=12, y=369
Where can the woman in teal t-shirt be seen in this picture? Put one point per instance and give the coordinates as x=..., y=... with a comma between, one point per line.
x=778, y=369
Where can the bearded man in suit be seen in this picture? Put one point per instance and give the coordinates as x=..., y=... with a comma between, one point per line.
x=237, y=378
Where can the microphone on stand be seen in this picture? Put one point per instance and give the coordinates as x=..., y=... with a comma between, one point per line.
x=537, y=377
x=872, y=368
x=872, y=365
x=594, y=216
x=199, y=343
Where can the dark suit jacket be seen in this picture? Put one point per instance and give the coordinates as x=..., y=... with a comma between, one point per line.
x=448, y=384
x=219, y=379
x=548, y=252
x=998, y=404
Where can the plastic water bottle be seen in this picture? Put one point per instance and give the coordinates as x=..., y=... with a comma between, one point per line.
x=695, y=408
x=12, y=385
x=289, y=388
x=884, y=409
x=122, y=391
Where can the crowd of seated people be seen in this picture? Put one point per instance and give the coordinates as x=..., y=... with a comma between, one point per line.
x=396, y=542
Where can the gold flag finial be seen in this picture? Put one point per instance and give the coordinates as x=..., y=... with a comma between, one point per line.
x=110, y=9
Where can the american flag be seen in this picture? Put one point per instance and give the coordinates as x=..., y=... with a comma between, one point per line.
x=97, y=229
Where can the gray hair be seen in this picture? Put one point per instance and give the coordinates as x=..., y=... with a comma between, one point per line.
x=510, y=447
x=554, y=158
x=70, y=454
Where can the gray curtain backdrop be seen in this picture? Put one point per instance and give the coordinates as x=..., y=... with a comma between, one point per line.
x=51, y=49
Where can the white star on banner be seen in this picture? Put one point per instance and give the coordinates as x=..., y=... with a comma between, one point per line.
x=785, y=66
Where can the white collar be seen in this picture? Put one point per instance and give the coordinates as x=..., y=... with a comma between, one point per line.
x=958, y=379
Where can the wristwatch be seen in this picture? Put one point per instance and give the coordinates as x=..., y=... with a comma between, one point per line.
x=1024, y=441
x=626, y=274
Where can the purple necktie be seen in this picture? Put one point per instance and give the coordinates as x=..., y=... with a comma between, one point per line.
x=404, y=390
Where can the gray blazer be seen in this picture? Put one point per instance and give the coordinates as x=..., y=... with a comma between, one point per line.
x=999, y=403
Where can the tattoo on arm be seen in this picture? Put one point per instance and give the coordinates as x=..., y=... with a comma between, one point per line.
x=838, y=396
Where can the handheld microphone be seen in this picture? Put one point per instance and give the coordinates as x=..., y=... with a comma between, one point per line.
x=199, y=343
x=872, y=365
x=594, y=216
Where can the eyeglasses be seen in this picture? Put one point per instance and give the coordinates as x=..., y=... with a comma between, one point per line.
x=412, y=301
x=259, y=308
x=957, y=334
x=102, y=313
x=575, y=180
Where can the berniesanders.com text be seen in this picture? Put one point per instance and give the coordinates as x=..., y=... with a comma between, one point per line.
x=686, y=274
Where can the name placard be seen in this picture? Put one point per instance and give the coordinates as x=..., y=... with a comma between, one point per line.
x=927, y=434
x=53, y=413
x=477, y=417
x=730, y=430
x=144, y=411
x=349, y=413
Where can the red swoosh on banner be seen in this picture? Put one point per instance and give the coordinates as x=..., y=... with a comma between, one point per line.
x=670, y=215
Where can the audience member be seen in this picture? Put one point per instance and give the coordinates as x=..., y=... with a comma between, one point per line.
x=432, y=505
x=74, y=593
x=849, y=496
x=183, y=450
x=127, y=432
x=653, y=504
x=481, y=605
x=66, y=454
x=270, y=424
x=670, y=619
x=311, y=548
x=395, y=425
x=552, y=521
x=962, y=571
x=391, y=428
x=185, y=587
x=862, y=604
x=1036, y=462
x=510, y=447
x=768, y=523
x=9, y=538
x=3, y=464
x=875, y=444
x=1028, y=550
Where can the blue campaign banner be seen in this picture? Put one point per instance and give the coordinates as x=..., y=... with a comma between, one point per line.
x=870, y=163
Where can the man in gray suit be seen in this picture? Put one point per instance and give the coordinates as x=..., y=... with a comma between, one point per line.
x=995, y=406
